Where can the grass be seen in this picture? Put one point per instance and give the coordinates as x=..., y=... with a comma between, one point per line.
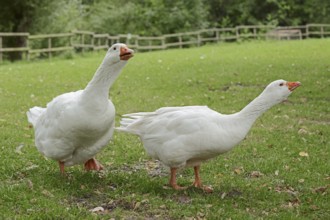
x=281, y=170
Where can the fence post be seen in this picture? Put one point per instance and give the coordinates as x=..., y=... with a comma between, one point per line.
x=237, y=33
x=199, y=39
x=149, y=43
x=27, y=43
x=0, y=49
x=322, y=31
x=180, y=40
x=82, y=42
x=136, y=42
x=49, y=47
x=92, y=42
x=107, y=40
x=163, y=43
x=71, y=40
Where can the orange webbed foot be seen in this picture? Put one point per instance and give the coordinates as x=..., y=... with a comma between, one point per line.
x=93, y=164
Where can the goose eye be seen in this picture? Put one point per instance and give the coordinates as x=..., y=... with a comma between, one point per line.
x=281, y=84
x=115, y=48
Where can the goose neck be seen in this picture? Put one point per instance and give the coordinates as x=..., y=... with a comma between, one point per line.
x=255, y=109
x=103, y=79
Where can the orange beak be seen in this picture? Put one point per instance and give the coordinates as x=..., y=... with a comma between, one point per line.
x=126, y=53
x=293, y=85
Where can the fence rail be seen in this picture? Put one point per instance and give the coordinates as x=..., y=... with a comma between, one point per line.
x=46, y=45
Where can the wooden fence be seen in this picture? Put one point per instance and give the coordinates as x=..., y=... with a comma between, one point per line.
x=36, y=46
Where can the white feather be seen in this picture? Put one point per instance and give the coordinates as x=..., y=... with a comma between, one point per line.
x=75, y=126
x=187, y=136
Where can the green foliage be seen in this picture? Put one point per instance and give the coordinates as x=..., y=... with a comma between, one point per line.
x=60, y=16
x=280, y=171
x=226, y=13
x=35, y=16
x=150, y=17
x=155, y=17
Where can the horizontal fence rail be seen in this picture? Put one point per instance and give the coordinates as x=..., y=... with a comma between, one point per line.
x=45, y=45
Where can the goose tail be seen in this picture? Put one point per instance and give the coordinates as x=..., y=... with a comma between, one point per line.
x=130, y=123
x=33, y=114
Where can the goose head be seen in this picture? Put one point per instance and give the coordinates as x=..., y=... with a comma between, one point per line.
x=118, y=53
x=279, y=90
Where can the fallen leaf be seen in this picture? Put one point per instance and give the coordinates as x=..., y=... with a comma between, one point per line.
x=302, y=131
x=97, y=192
x=184, y=199
x=287, y=206
x=314, y=207
x=292, y=204
x=47, y=193
x=295, y=202
x=137, y=205
x=286, y=189
x=321, y=189
x=238, y=170
x=256, y=174
x=303, y=154
x=19, y=148
x=265, y=213
x=97, y=209
x=276, y=172
x=234, y=193
x=200, y=214
x=33, y=166
x=301, y=180
x=166, y=187
x=30, y=184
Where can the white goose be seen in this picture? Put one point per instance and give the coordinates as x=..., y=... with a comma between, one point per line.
x=187, y=136
x=75, y=126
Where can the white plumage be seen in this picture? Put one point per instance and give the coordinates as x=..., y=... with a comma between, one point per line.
x=187, y=136
x=75, y=126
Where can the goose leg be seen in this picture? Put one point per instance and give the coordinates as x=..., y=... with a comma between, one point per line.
x=93, y=164
x=173, y=183
x=198, y=181
x=61, y=164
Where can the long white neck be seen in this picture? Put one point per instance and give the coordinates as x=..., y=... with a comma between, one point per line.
x=102, y=80
x=255, y=109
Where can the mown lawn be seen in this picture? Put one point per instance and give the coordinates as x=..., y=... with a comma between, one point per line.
x=281, y=170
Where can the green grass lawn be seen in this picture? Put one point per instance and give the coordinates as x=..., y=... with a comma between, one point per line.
x=281, y=170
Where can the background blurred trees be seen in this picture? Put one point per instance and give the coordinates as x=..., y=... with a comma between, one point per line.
x=154, y=17
x=275, y=12
x=145, y=17
x=151, y=17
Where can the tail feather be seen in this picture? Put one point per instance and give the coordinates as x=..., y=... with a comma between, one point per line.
x=137, y=115
x=128, y=122
x=34, y=113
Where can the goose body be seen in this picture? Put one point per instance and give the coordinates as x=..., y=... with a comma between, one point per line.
x=75, y=126
x=187, y=136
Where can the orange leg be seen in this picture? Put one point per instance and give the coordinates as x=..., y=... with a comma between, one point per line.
x=198, y=181
x=93, y=164
x=173, y=183
x=61, y=164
